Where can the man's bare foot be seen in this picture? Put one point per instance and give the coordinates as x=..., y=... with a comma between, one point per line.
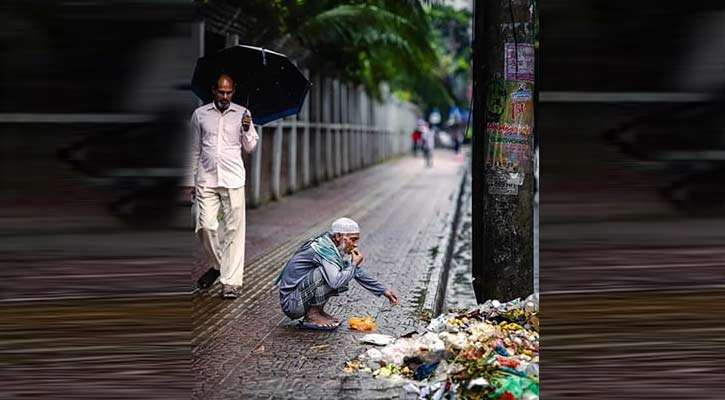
x=315, y=316
x=330, y=317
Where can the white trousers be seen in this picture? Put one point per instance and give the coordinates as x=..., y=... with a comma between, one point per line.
x=226, y=256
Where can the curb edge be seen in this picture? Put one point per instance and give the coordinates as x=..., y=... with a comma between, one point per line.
x=436, y=287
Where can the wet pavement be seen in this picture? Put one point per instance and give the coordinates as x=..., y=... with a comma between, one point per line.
x=248, y=349
x=92, y=309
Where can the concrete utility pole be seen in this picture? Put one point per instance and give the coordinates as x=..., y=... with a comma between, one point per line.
x=503, y=148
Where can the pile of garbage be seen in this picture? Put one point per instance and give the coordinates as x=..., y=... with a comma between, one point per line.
x=487, y=352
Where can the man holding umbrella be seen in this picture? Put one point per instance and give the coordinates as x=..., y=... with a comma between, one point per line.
x=219, y=132
x=272, y=86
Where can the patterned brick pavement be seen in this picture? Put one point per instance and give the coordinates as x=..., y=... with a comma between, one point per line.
x=248, y=349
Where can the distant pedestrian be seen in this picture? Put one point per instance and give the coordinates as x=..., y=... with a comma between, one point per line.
x=457, y=140
x=428, y=143
x=416, y=137
x=219, y=132
x=322, y=268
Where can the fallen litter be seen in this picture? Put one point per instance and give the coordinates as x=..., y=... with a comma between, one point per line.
x=490, y=351
x=377, y=339
x=320, y=347
x=361, y=323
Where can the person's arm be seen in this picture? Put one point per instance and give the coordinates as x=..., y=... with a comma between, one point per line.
x=369, y=283
x=249, y=135
x=195, y=151
x=333, y=276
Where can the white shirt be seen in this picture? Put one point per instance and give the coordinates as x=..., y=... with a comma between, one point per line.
x=428, y=138
x=216, y=146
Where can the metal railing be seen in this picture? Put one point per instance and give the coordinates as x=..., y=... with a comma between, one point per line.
x=339, y=130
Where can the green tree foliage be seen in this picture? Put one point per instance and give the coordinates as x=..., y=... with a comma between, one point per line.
x=361, y=41
x=451, y=38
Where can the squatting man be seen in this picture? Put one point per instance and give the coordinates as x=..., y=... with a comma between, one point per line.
x=322, y=268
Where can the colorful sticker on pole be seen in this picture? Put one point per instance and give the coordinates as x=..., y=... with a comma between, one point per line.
x=496, y=99
x=519, y=64
x=509, y=133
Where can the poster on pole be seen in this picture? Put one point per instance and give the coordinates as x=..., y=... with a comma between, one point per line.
x=509, y=132
x=519, y=62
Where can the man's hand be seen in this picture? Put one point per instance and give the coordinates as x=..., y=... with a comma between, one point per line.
x=357, y=257
x=392, y=297
x=246, y=122
x=191, y=190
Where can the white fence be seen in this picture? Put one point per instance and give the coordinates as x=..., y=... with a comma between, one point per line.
x=340, y=130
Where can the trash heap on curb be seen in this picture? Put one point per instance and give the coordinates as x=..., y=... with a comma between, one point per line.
x=487, y=352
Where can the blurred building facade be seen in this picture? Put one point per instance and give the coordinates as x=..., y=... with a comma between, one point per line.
x=103, y=88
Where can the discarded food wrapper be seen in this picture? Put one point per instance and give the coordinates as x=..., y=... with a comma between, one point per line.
x=374, y=355
x=411, y=388
x=478, y=382
x=362, y=324
x=438, y=324
x=377, y=339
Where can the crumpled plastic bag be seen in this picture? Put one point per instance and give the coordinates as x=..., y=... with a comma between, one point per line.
x=457, y=341
x=374, y=355
x=531, y=304
x=515, y=385
x=482, y=332
x=482, y=382
x=395, y=353
x=425, y=370
x=438, y=324
x=361, y=323
x=431, y=342
x=411, y=388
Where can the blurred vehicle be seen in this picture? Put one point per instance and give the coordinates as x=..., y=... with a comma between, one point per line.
x=105, y=86
x=685, y=144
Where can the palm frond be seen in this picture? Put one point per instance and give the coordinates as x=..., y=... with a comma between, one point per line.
x=365, y=24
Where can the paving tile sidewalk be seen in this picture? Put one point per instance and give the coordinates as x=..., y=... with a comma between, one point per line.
x=249, y=349
x=276, y=222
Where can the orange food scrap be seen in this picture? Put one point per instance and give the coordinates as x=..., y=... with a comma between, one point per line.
x=362, y=324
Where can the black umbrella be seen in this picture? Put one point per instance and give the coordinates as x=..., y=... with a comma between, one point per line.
x=267, y=82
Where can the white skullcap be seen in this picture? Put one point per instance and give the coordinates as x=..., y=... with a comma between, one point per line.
x=344, y=225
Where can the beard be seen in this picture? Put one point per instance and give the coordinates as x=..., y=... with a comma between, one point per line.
x=222, y=105
x=341, y=248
